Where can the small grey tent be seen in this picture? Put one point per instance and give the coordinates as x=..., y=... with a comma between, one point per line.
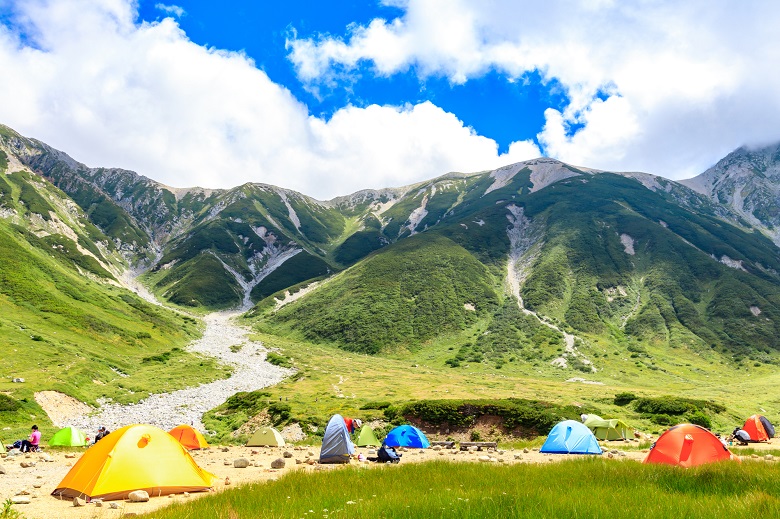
x=336, y=443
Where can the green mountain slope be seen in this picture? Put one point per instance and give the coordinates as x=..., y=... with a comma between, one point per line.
x=65, y=323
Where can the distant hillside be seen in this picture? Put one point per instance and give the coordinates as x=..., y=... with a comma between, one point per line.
x=535, y=260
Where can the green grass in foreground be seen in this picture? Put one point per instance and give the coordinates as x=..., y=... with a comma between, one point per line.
x=590, y=487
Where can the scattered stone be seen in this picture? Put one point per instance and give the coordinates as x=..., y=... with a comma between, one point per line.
x=186, y=494
x=225, y=449
x=241, y=463
x=298, y=462
x=310, y=453
x=171, y=496
x=138, y=496
x=525, y=451
x=518, y=456
x=98, y=503
x=258, y=464
x=226, y=463
x=23, y=492
x=77, y=501
x=769, y=457
x=21, y=500
x=2, y=470
x=311, y=462
x=114, y=506
x=18, y=380
x=227, y=480
x=484, y=459
x=437, y=447
x=287, y=454
x=37, y=485
x=47, y=458
x=70, y=455
x=255, y=452
x=622, y=454
x=754, y=456
x=27, y=464
x=278, y=463
x=610, y=455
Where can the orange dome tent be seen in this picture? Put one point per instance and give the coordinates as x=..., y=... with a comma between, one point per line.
x=135, y=457
x=189, y=437
x=688, y=445
x=759, y=428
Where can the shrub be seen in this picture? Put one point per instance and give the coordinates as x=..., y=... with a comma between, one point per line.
x=624, y=398
x=278, y=360
x=699, y=418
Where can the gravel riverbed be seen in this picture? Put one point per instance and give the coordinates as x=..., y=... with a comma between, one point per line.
x=167, y=410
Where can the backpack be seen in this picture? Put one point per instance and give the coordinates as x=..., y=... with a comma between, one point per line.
x=388, y=455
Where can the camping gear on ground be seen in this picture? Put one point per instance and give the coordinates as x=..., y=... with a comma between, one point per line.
x=266, y=437
x=366, y=437
x=570, y=437
x=406, y=436
x=688, y=445
x=336, y=443
x=759, y=428
x=387, y=454
x=68, y=437
x=135, y=457
x=612, y=429
x=189, y=437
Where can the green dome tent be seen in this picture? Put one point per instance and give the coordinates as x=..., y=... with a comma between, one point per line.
x=68, y=437
x=266, y=437
x=366, y=437
x=607, y=429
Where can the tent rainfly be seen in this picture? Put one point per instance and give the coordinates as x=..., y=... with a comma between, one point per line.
x=188, y=436
x=336, y=443
x=266, y=437
x=366, y=437
x=570, y=437
x=612, y=429
x=68, y=437
x=688, y=445
x=406, y=436
x=135, y=457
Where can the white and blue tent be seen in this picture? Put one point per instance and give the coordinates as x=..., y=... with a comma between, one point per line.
x=336, y=443
x=571, y=437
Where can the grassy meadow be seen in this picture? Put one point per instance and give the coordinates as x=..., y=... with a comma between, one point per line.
x=591, y=487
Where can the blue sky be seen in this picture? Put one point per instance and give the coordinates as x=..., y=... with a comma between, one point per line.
x=331, y=97
x=494, y=106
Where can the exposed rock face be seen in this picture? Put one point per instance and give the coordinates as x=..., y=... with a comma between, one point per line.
x=747, y=181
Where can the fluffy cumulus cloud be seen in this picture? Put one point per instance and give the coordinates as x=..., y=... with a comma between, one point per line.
x=85, y=77
x=661, y=86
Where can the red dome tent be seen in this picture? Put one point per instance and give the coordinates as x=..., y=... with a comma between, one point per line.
x=688, y=445
x=759, y=428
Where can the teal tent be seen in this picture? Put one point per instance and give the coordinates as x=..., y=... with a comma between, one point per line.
x=571, y=437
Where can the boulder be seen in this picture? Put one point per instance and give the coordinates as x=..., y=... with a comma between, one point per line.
x=485, y=459
x=18, y=380
x=138, y=496
x=241, y=463
x=27, y=464
x=278, y=463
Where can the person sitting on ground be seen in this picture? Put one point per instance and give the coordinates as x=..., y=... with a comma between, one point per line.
x=102, y=433
x=33, y=442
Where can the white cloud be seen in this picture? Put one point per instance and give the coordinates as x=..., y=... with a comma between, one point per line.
x=690, y=81
x=111, y=92
x=171, y=9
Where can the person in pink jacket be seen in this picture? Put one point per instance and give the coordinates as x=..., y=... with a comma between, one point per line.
x=33, y=442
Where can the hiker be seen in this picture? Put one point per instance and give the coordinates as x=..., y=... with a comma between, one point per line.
x=102, y=433
x=353, y=424
x=32, y=443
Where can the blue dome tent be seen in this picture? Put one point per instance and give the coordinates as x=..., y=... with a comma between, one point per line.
x=406, y=436
x=571, y=437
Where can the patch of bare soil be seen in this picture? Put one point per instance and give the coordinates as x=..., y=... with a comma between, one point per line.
x=60, y=407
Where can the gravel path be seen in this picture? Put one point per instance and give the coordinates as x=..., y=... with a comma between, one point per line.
x=186, y=406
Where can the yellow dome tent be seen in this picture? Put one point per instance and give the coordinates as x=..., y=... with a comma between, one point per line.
x=189, y=437
x=265, y=437
x=135, y=457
